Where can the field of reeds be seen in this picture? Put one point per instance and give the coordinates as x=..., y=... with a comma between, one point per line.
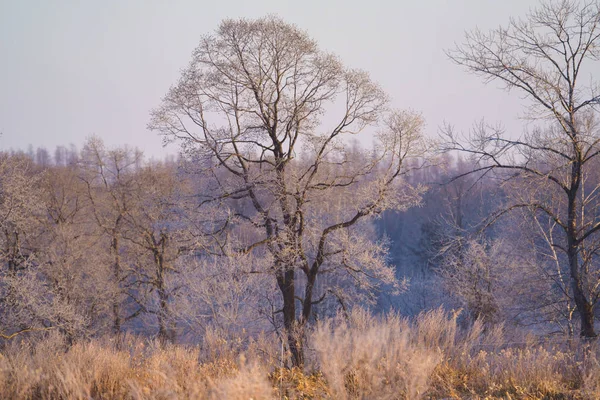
x=360, y=357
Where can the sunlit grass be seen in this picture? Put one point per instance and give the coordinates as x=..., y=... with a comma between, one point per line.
x=360, y=357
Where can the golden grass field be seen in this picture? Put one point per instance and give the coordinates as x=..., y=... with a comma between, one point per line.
x=362, y=357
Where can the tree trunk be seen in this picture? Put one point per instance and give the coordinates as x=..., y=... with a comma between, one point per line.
x=308, y=296
x=165, y=333
x=285, y=281
x=585, y=311
x=587, y=321
x=117, y=276
x=584, y=308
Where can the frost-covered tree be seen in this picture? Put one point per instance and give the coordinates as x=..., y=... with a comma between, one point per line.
x=546, y=57
x=266, y=113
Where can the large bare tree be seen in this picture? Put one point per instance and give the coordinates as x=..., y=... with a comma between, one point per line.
x=265, y=112
x=547, y=58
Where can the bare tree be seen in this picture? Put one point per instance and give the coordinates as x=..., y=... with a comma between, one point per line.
x=109, y=178
x=73, y=268
x=224, y=295
x=54, y=277
x=539, y=283
x=21, y=209
x=157, y=228
x=544, y=58
x=266, y=112
x=472, y=276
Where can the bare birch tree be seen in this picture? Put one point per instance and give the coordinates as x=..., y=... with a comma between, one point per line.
x=545, y=58
x=266, y=112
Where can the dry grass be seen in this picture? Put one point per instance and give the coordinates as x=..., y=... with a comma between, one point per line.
x=362, y=357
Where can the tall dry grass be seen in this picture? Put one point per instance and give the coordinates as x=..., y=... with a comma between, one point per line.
x=360, y=357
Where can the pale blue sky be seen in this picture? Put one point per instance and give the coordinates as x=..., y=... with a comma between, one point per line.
x=70, y=69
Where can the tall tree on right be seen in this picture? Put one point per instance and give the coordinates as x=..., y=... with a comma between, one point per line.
x=547, y=57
